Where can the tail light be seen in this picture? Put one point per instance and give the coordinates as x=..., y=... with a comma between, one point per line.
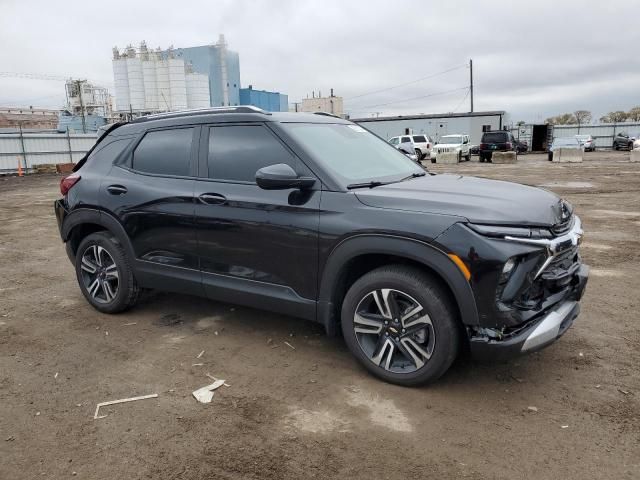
x=428, y=145
x=483, y=146
x=67, y=182
x=508, y=145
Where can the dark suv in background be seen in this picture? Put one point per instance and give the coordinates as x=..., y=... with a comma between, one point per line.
x=496, y=141
x=313, y=216
x=623, y=141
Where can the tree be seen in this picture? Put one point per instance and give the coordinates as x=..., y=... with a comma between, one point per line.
x=634, y=114
x=582, y=116
x=614, y=117
x=564, y=119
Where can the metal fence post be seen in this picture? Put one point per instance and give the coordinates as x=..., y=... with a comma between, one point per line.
x=69, y=144
x=24, y=151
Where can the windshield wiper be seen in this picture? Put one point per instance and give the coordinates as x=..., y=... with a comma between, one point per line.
x=371, y=184
x=413, y=175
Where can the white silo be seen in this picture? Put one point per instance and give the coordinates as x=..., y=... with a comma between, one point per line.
x=136, y=83
x=150, y=84
x=177, y=84
x=121, y=81
x=197, y=90
x=162, y=85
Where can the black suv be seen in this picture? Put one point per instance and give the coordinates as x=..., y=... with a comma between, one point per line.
x=622, y=140
x=496, y=141
x=313, y=216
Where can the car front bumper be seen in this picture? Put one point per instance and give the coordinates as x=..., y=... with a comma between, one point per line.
x=539, y=332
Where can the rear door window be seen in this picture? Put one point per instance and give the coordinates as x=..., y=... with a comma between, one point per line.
x=164, y=152
x=237, y=152
x=405, y=140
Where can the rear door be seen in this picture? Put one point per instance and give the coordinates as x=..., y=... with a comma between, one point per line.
x=151, y=194
x=256, y=247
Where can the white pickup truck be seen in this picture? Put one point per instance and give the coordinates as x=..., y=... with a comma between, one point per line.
x=453, y=143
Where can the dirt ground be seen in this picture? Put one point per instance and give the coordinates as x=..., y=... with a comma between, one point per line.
x=311, y=412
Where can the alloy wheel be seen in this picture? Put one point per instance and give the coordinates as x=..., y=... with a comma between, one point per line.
x=394, y=331
x=99, y=274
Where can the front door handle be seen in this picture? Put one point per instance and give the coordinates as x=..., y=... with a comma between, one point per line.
x=213, y=199
x=116, y=189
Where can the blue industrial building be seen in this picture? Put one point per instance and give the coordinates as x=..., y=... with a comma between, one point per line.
x=222, y=66
x=269, y=101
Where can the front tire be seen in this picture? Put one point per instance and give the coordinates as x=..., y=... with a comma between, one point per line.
x=104, y=273
x=400, y=325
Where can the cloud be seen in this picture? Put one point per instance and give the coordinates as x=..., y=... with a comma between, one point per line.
x=533, y=60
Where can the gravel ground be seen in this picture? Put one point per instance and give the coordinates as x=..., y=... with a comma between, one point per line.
x=311, y=412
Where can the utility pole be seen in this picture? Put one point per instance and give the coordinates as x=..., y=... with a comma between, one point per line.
x=84, y=121
x=471, y=82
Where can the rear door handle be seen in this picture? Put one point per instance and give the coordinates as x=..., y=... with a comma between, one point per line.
x=213, y=198
x=116, y=189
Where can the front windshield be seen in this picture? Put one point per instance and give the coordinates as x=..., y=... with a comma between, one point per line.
x=351, y=152
x=567, y=141
x=451, y=139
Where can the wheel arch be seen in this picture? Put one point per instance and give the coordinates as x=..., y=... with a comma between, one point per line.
x=85, y=221
x=357, y=255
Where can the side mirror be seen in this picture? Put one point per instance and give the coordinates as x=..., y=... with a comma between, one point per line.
x=281, y=177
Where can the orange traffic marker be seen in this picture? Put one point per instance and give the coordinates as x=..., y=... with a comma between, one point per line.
x=20, y=173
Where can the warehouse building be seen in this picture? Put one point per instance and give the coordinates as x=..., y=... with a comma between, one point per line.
x=331, y=104
x=437, y=125
x=220, y=65
x=269, y=101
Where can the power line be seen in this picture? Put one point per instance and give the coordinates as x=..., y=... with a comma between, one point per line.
x=463, y=99
x=408, y=83
x=413, y=98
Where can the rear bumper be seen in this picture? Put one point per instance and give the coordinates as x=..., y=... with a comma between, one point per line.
x=61, y=214
x=539, y=333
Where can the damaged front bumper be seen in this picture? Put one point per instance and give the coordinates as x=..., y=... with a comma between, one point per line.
x=544, y=329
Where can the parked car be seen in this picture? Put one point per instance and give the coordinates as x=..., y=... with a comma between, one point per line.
x=422, y=144
x=329, y=223
x=622, y=140
x=587, y=142
x=459, y=144
x=496, y=141
x=522, y=146
x=474, y=149
x=408, y=150
x=564, y=142
x=636, y=144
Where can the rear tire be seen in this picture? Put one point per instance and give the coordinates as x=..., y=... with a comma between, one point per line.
x=421, y=338
x=104, y=273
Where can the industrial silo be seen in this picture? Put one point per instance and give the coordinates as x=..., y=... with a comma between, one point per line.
x=162, y=85
x=121, y=81
x=197, y=90
x=149, y=60
x=136, y=83
x=177, y=84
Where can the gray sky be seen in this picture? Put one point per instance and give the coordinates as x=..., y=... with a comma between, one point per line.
x=532, y=59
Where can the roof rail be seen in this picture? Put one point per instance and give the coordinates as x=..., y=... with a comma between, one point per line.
x=203, y=111
x=327, y=114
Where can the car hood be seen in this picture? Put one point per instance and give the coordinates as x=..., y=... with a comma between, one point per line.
x=476, y=199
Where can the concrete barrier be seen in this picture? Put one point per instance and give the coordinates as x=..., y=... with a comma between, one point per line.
x=504, y=157
x=449, y=157
x=634, y=155
x=568, y=155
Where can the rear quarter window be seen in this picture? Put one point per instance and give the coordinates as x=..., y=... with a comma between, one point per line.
x=419, y=139
x=108, y=151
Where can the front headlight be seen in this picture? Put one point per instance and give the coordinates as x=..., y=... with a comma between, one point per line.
x=500, y=231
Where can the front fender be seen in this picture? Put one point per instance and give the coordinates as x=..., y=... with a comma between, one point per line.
x=421, y=252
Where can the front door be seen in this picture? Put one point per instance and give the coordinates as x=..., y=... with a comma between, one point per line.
x=257, y=247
